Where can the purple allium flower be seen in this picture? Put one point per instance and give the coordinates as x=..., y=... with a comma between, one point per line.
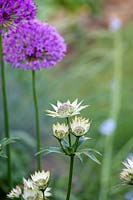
x=13, y=11
x=33, y=45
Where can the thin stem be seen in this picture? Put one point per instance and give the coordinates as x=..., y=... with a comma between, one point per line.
x=69, y=135
x=38, y=135
x=114, y=113
x=62, y=146
x=70, y=177
x=43, y=195
x=76, y=143
x=5, y=108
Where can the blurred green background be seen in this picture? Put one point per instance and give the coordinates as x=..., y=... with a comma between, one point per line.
x=85, y=73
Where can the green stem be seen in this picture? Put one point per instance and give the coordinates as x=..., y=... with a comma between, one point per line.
x=43, y=195
x=70, y=177
x=114, y=112
x=38, y=135
x=69, y=135
x=76, y=143
x=6, y=117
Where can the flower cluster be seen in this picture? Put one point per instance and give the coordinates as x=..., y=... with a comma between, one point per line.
x=127, y=173
x=78, y=126
x=35, y=188
x=33, y=45
x=14, y=11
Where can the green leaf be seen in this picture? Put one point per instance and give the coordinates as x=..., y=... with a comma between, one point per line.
x=79, y=156
x=7, y=141
x=50, y=150
x=83, y=139
x=90, y=153
x=64, y=143
x=92, y=157
x=91, y=150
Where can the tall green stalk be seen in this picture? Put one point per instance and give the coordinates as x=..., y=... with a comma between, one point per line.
x=70, y=177
x=5, y=108
x=38, y=135
x=114, y=113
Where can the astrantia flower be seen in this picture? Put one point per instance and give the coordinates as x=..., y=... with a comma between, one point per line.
x=41, y=179
x=14, y=11
x=80, y=126
x=66, y=109
x=33, y=45
x=15, y=193
x=127, y=173
x=60, y=130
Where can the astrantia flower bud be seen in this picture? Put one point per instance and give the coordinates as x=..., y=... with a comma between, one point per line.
x=15, y=193
x=33, y=45
x=127, y=173
x=14, y=11
x=60, y=131
x=41, y=179
x=66, y=109
x=80, y=126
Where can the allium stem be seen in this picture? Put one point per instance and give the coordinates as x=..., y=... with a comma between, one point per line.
x=38, y=135
x=70, y=177
x=114, y=113
x=5, y=108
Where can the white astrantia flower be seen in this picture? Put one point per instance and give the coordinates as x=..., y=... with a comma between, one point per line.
x=127, y=173
x=66, y=109
x=41, y=179
x=15, y=193
x=28, y=183
x=60, y=131
x=80, y=126
x=108, y=126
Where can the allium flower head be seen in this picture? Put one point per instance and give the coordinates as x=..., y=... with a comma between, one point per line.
x=80, y=126
x=15, y=193
x=33, y=45
x=41, y=179
x=60, y=130
x=127, y=173
x=14, y=11
x=66, y=109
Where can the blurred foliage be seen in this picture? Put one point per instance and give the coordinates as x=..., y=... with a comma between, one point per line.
x=85, y=73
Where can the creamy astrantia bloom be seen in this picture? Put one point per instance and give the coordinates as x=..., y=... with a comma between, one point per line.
x=80, y=126
x=66, y=109
x=127, y=173
x=60, y=130
x=41, y=179
x=15, y=193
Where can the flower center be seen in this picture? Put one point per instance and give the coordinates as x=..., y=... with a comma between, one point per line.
x=6, y=16
x=65, y=109
x=79, y=130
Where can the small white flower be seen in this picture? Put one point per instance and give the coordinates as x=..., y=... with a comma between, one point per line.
x=15, y=193
x=127, y=173
x=108, y=127
x=115, y=23
x=28, y=183
x=66, y=109
x=60, y=130
x=80, y=126
x=41, y=179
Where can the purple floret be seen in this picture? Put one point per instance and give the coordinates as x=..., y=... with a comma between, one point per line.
x=33, y=45
x=14, y=11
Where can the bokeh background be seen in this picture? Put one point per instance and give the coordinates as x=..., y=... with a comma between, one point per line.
x=87, y=72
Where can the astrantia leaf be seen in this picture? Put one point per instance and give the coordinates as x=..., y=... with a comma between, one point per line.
x=50, y=150
x=7, y=141
x=83, y=139
x=64, y=143
x=90, y=153
x=79, y=156
x=92, y=157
